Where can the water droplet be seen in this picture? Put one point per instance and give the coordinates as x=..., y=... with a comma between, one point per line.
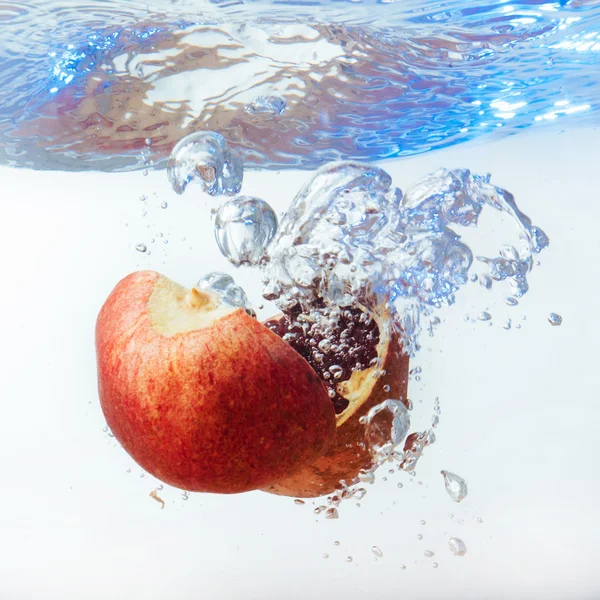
x=143, y=198
x=160, y=487
x=272, y=105
x=400, y=485
x=423, y=522
x=205, y=157
x=554, y=319
x=336, y=543
x=455, y=486
x=386, y=426
x=141, y=247
x=377, y=551
x=403, y=567
x=367, y=477
x=325, y=555
x=185, y=496
x=225, y=286
x=349, y=559
x=244, y=227
x=484, y=316
x=457, y=546
x=435, y=565
x=145, y=172
x=420, y=536
x=359, y=494
x=163, y=204
x=332, y=513
x=128, y=470
x=429, y=553
x=299, y=502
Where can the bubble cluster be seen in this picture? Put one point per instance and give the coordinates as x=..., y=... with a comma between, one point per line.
x=350, y=237
x=206, y=158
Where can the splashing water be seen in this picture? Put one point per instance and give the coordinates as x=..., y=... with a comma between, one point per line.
x=244, y=227
x=361, y=80
x=206, y=158
x=351, y=238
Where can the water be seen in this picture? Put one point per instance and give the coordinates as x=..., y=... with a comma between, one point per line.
x=455, y=485
x=244, y=227
x=102, y=81
x=106, y=86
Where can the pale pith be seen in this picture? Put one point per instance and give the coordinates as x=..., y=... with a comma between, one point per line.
x=174, y=309
x=361, y=383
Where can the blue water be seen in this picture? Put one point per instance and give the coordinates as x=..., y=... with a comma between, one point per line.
x=113, y=85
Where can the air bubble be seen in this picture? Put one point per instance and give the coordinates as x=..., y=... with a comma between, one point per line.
x=554, y=319
x=244, y=227
x=457, y=546
x=205, y=157
x=455, y=486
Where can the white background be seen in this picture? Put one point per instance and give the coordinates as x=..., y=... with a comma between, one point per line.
x=519, y=419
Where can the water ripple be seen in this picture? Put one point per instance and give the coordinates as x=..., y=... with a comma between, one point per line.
x=368, y=80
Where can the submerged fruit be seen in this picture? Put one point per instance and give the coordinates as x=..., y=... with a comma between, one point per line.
x=371, y=367
x=200, y=394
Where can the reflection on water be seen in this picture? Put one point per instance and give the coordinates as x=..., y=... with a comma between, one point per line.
x=287, y=85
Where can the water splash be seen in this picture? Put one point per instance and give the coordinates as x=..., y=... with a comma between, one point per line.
x=352, y=238
x=361, y=80
x=244, y=227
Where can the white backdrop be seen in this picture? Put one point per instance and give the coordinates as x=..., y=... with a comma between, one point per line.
x=519, y=411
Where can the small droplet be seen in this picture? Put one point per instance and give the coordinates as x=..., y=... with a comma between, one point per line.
x=429, y=553
x=325, y=555
x=420, y=536
x=141, y=247
x=145, y=172
x=377, y=551
x=479, y=520
x=400, y=485
x=336, y=543
x=143, y=198
x=457, y=546
x=423, y=522
x=435, y=565
x=484, y=316
x=299, y=502
x=455, y=486
x=163, y=204
x=348, y=559
x=332, y=513
x=554, y=319
x=403, y=567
